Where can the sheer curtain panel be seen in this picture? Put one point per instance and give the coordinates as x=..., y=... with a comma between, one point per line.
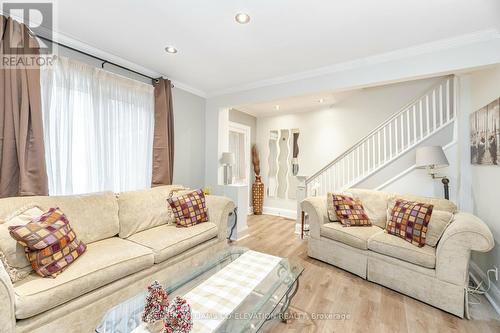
x=98, y=129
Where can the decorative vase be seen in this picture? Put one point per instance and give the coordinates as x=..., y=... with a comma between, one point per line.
x=257, y=196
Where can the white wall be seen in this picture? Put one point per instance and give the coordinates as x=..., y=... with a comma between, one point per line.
x=431, y=61
x=189, y=138
x=418, y=181
x=327, y=133
x=482, y=183
x=245, y=119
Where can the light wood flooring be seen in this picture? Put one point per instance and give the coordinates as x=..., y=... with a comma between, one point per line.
x=325, y=289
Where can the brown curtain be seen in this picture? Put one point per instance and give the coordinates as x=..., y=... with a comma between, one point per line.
x=163, y=143
x=22, y=156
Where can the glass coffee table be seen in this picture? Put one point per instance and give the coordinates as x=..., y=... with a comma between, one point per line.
x=237, y=290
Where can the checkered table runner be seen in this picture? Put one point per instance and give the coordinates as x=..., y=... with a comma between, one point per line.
x=217, y=297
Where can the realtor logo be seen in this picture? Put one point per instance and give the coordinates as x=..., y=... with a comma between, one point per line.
x=25, y=21
x=38, y=18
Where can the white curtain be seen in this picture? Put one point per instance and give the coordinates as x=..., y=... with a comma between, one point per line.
x=98, y=129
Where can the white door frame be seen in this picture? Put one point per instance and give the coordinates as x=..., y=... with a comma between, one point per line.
x=247, y=132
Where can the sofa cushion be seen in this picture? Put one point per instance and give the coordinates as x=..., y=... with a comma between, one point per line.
x=145, y=209
x=375, y=204
x=12, y=253
x=167, y=241
x=396, y=247
x=93, y=216
x=354, y=236
x=104, y=261
x=438, y=203
x=440, y=220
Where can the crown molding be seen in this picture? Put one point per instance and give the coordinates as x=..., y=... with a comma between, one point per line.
x=190, y=89
x=82, y=46
x=426, y=48
x=75, y=43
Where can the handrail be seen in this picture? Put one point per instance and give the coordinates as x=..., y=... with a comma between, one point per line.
x=376, y=129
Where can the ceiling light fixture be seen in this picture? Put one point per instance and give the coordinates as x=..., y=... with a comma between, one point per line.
x=242, y=18
x=171, y=49
x=277, y=107
x=321, y=100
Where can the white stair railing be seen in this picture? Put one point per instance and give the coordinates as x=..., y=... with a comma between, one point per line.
x=413, y=124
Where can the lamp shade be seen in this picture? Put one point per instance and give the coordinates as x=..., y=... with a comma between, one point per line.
x=432, y=156
x=227, y=158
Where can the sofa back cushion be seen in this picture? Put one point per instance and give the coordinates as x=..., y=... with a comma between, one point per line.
x=93, y=216
x=375, y=204
x=145, y=209
x=438, y=203
x=12, y=254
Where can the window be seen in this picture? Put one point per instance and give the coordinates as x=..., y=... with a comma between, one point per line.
x=98, y=129
x=239, y=144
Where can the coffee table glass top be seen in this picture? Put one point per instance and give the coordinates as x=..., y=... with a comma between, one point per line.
x=237, y=290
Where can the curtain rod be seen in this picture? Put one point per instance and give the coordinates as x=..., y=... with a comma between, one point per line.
x=104, y=61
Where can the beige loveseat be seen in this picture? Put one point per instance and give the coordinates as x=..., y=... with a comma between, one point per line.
x=436, y=275
x=129, y=244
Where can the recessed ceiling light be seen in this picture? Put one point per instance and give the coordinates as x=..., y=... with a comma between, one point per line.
x=242, y=18
x=170, y=49
x=277, y=107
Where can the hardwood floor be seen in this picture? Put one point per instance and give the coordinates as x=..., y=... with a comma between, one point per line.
x=359, y=305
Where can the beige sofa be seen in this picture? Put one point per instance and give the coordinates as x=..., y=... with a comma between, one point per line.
x=435, y=275
x=129, y=244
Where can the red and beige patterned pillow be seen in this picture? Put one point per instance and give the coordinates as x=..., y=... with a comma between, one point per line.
x=350, y=211
x=409, y=220
x=189, y=209
x=49, y=243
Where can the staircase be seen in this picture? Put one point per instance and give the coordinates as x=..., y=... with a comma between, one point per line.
x=403, y=131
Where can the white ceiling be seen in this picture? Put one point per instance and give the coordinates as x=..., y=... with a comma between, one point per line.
x=284, y=37
x=296, y=104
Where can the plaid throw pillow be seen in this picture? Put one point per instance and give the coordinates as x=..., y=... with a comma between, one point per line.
x=42, y=231
x=409, y=220
x=350, y=211
x=50, y=244
x=189, y=209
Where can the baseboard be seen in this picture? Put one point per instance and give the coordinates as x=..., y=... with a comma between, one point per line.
x=290, y=214
x=242, y=234
x=493, y=295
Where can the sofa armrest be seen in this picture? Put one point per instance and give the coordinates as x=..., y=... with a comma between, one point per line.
x=7, y=314
x=467, y=232
x=218, y=212
x=315, y=207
